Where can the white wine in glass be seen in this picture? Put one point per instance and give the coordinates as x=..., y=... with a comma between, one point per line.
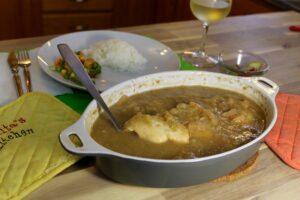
x=207, y=11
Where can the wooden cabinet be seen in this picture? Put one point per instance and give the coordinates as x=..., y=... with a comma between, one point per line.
x=28, y=18
x=245, y=7
x=62, y=16
x=63, y=23
x=76, y=5
x=138, y=12
x=9, y=18
x=19, y=18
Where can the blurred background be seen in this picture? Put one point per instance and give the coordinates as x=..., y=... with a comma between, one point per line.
x=29, y=18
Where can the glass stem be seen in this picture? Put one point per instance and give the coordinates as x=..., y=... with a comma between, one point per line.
x=205, y=27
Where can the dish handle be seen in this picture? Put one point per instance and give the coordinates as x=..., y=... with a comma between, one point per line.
x=75, y=139
x=267, y=85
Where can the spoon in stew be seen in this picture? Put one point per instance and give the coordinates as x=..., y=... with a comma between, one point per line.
x=76, y=65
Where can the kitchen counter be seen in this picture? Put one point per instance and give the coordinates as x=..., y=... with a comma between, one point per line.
x=264, y=34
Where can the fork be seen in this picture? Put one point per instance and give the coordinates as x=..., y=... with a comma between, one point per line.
x=25, y=62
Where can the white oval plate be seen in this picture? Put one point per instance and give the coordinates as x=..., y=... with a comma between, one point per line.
x=159, y=56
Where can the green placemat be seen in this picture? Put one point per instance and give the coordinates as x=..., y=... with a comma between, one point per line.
x=185, y=65
x=79, y=99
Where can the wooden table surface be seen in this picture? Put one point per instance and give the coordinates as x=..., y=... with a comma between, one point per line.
x=265, y=34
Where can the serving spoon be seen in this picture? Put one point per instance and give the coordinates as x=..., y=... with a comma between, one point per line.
x=77, y=67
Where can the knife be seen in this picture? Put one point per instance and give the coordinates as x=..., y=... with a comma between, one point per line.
x=13, y=62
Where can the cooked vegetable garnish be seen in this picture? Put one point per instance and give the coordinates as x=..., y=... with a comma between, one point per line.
x=90, y=65
x=254, y=66
x=250, y=67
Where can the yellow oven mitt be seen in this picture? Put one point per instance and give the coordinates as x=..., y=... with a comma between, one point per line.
x=30, y=151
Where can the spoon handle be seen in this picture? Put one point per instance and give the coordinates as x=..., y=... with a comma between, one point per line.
x=76, y=65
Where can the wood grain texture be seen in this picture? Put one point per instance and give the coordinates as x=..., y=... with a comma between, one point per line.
x=265, y=179
x=24, y=18
x=76, y=5
x=245, y=7
x=133, y=12
x=19, y=18
x=31, y=25
x=9, y=11
x=75, y=22
x=265, y=34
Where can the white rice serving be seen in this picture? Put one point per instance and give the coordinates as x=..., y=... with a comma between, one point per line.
x=116, y=54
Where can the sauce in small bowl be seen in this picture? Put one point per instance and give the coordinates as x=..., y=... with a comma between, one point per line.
x=242, y=63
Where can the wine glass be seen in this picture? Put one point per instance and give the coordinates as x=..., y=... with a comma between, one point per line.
x=207, y=11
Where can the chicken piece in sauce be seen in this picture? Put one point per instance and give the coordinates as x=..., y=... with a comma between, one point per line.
x=156, y=129
x=178, y=124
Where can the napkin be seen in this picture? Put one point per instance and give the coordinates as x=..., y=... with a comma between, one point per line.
x=30, y=151
x=40, y=80
x=284, y=139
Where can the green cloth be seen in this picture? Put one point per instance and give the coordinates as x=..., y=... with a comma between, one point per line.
x=79, y=99
x=185, y=65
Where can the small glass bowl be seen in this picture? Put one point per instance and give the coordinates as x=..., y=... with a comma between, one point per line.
x=242, y=63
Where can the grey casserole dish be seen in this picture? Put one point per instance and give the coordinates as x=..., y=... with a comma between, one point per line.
x=172, y=173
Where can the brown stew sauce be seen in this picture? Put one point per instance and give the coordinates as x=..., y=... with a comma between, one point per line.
x=239, y=119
